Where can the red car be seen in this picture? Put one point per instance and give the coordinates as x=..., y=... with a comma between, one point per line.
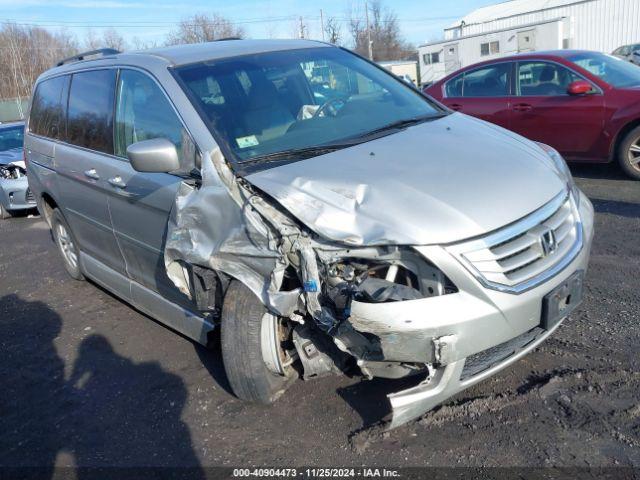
x=584, y=104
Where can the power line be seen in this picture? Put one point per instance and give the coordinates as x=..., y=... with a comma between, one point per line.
x=143, y=24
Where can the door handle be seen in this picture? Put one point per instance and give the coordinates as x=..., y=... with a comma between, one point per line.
x=522, y=107
x=117, y=182
x=456, y=106
x=92, y=174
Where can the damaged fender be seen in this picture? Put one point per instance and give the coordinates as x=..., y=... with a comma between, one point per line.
x=217, y=225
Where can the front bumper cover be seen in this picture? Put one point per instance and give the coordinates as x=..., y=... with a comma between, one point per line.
x=14, y=194
x=447, y=330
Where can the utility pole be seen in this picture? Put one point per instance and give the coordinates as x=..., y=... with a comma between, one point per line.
x=370, y=43
x=322, y=24
x=301, y=28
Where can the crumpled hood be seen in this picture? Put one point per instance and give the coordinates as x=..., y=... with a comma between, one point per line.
x=437, y=182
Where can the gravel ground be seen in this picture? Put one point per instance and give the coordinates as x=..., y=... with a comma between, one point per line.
x=88, y=381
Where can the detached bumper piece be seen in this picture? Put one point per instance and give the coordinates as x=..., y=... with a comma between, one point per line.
x=412, y=403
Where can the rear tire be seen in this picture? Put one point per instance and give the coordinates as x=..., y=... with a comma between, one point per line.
x=4, y=213
x=629, y=154
x=67, y=244
x=242, y=339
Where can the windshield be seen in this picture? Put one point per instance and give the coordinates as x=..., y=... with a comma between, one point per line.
x=11, y=138
x=613, y=70
x=267, y=104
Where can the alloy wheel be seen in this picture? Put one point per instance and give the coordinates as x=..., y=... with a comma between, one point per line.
x=272, y=336
x=66, y=245
x=634, y=154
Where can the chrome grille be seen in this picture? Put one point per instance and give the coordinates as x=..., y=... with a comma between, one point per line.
x=521, y=255
x=29, y=197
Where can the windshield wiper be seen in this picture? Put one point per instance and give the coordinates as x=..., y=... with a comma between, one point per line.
x=296, y=153
x=401, y=124
x=308, y=152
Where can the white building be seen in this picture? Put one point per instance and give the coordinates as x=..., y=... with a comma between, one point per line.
x=526, y=25
x=402, y=68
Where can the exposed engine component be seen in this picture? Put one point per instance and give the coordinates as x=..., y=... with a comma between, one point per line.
x=378, y=290
x=318, y=355
x=377, y=275
x=12, y=171
x=403, y=276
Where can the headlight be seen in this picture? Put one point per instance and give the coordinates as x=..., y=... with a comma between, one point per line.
x=562, y=168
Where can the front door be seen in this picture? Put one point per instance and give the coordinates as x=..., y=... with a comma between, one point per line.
x=527, y=41
x=140, y=203
x=451, y=58
x=482, y=93
x=83, y=165
x=543, y=110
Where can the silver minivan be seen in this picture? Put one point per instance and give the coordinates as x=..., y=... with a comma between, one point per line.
x=322, y=213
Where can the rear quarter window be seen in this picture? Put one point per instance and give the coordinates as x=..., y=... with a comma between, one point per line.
x=90, y=115
x=47, y=116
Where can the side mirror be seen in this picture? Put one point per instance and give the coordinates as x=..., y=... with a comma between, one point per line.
x=157, y=155
x=579, y=87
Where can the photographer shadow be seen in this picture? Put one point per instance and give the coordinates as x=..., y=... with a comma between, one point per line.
x=112, y=412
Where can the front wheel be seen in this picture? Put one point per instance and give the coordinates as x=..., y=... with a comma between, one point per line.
x=629, y=154
x=253, y=340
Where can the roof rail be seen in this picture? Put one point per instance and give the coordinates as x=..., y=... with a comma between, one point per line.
x=81, y=56
x=224, y=39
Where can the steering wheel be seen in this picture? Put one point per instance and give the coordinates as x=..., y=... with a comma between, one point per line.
x=331, y=106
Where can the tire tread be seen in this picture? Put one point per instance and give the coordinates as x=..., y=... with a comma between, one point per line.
x=241, y=348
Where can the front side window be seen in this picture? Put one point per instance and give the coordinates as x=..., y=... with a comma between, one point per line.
x=277, y=102
x=90, y=114
x=615, y=71
x=144, y=113
x=11, y=138
x=491, y=81
x=48, y=108
x=539, y=79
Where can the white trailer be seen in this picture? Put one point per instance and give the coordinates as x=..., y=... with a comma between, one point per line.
x=527, y=25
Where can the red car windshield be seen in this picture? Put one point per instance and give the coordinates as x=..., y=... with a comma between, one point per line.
x=615, y=71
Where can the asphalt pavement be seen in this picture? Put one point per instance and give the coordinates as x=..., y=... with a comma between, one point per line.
x=88, y=381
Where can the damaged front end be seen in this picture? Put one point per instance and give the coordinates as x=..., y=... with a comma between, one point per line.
x=223, y=228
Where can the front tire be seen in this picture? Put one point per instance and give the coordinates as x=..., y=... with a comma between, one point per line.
x=629, y=154
x=67, y=244
x=246, y=344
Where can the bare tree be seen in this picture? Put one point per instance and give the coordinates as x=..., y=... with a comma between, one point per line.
x=91, y=40
x=386, y=38
x=204, y=28
x=138, y=44
x=112, y=39
x=333, y=31
x=26, y=53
